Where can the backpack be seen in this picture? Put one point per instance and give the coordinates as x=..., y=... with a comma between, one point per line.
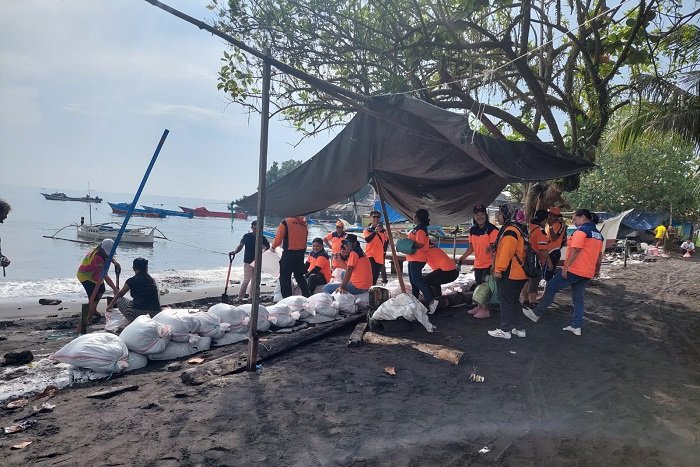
x=531, y=266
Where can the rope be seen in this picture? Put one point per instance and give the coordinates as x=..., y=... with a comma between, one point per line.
x=188, y=245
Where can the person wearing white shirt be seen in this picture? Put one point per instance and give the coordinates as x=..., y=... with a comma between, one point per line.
x=688, y=247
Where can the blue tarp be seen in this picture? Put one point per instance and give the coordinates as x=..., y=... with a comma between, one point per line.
x=644, y=220
x=394, y=215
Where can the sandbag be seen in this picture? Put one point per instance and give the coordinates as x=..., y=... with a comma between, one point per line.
x=210, y=325
x=136, y=361
x=102, y=352
x=115, y=320
x=281, y=316
x=394, y=287
x=346, y=302
x=404, y=306
x=188, y=316
x=234, y=316
x=263, y=315
x=295, y=302
x=277, y=294
x=230, y=338
x=180, y=329
x=182, y=349
x=144, y=335
x=321, y=303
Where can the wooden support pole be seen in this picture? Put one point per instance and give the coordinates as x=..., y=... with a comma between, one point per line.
x=397, y=267
x=84, y=318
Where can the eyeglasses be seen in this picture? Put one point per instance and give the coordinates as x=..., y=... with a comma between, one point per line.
x=376, y=217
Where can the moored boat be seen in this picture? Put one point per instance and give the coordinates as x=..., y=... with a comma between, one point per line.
x=204, y=212
x=63, y=197
x=168, y=212
x=122, y=209
x=97, y=232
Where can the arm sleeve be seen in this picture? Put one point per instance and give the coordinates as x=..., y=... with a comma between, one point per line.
x=279, y=236
x=578, y=239
x=505, y=251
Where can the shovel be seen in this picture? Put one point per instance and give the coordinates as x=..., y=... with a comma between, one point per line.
x=224, y=296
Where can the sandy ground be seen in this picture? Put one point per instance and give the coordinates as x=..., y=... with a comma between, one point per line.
x=627, y=392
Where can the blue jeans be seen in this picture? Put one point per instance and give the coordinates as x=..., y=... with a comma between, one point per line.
x=418, y=284
x=578, y=289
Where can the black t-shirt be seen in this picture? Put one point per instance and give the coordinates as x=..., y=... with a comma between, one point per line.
x=249, y=241
x=144, y=291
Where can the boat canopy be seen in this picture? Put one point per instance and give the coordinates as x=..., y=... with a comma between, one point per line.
x=421, y=156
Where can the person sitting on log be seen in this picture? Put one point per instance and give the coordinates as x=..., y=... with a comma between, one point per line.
x=318, y=266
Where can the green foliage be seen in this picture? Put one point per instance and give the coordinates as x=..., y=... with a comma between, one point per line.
x=277, y=171
x=651, y=175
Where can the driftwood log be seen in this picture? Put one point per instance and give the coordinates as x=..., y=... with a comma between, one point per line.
x=438, y=351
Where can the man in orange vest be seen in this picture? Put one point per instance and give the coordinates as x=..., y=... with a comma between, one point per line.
x=292, y=234
x=375, y=246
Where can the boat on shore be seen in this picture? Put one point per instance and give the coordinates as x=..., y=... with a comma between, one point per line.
x=122, y=209
x=98, y=232
x=168, y=212
x=63, y=197
x=204, y=212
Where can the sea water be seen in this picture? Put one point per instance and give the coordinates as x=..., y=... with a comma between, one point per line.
x=194, y=255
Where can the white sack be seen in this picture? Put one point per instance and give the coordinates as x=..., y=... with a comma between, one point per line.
x=137, y=361
x=263, y=323
x=270, y=262
x=180, y=328
x=323, y=304
x=115, y=320
x=182, y=349
x=362, y=300
x=346, y=301
x=230, y=338
x=144, y=335
x=100, y=351
x=394, y=287
x=281, y=316
x=210, y=325
x=234, y=316
x=319, y=318
x=277, y=296
x=188, y=315
x=295, y=302
x=404, y=306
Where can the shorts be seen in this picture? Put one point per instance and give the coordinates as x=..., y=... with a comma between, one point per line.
x=90, y=286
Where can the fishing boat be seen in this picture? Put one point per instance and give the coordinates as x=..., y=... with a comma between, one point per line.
x=168, y=212
x=98, y=232
x=63, y=197
x=122, y=209
x=204, y=212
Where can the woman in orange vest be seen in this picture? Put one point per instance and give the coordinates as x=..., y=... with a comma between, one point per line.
x=507, y=271
x=443, y=268
x=318, y=266
x=417, y=260
x=482, y=237
x=334, y=239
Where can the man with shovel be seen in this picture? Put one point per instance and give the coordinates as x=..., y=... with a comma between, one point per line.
x=247, y=242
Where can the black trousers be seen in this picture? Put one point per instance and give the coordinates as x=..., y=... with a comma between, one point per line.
x=480, y=275
x=314, y=280
x=509, y=296
x=376, y=269
x=292, y=262
x=438, y=277
x=555, y=256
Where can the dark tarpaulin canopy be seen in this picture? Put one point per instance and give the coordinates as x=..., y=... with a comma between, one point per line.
x=422, y=157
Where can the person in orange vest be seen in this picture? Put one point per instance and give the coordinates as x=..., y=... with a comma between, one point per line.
x=507, y=271
x=417, y=260
x=443, y=271
x=291, y=235
x=539, y=242
x=556, y=231
x=584, y=253
x=334, y=239
x=318, y=266
x=357, y=278
x=482, y=238
x=375, y=246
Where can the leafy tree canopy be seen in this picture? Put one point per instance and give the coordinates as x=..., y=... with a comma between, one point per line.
x=277, y=171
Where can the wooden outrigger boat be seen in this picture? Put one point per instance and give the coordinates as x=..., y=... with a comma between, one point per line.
x=98, y=232
x=63, y=197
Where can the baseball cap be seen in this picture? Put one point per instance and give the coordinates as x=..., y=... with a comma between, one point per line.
x=107, y=245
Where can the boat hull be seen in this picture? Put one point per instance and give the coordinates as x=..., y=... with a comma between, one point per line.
x=121, y=209
x=168, y=212
x=63, y=197
x=100, y=232
x=204, y=212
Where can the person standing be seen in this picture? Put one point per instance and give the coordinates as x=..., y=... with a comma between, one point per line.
x=334, y=239
x=248, y=242
x=4, y=211
x=556, y=231
x=375, y=244
x=144, y=291
x=582, y=263
x=318, y=266
x=539, y=242
x=482, y=238
x=509, y=273
x=417, y=260
x=660, y=234
x=291, y=235
x=89, y=273
x=357, y=278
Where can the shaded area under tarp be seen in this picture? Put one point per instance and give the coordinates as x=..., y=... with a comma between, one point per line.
x=422, y=156
x=394, y=215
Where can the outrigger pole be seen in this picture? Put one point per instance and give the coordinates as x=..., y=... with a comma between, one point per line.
x=103, y=273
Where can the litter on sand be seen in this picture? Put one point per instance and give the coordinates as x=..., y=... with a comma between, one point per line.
x=476, y=378
x=390, y=370
x=21, y=445
x=484, y=450
x=18, y=404
x=19, y=427
x=195, y=360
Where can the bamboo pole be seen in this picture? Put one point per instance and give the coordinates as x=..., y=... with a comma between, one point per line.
x=399, y=270
x=262, y=182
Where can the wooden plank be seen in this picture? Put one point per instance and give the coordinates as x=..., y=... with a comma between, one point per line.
x=438, y=351
x=275, y=346
x=356, y=336
x=107, y=393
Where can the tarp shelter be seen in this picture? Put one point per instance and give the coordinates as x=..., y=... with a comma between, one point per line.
x=422, y=157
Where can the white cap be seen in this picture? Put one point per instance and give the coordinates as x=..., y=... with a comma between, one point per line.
x=107, y=245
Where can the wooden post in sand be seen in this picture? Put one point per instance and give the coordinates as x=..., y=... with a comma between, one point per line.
x=84, y=318
x=397, y=267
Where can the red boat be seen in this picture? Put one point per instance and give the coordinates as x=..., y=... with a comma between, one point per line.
x=204, y=212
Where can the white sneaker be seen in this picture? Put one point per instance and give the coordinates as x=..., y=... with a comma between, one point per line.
x=531, y=314
x=499, y=333
x=576, y=331
x=518, y=333
x=432, y=307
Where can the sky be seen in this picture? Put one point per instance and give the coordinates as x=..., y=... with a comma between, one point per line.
x=88, y=86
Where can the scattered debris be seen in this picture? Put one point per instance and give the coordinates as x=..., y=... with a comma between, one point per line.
x=513, y=352
x=438, y=351
x=18, y=404
x=195, y=360
x=390, y=370
x=49, y=301
x=175, y=366
x=49, y=392
x=484, y=450
x=476, y=378
x=152, y=405
x=21, y=445
x=107, y=393
x=18, y=358
x=25, y=425
x=45, y=407
x=52, y=316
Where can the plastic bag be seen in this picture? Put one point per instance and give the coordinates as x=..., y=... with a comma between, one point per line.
x=404, y=306
x=482, y=294
x=102, y=352
x=493, y=285
x=115, y=320
x=144, y=335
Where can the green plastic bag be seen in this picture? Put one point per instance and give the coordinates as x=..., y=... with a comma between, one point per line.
x=493, y=286
x=482, y=294
x=406, y=246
